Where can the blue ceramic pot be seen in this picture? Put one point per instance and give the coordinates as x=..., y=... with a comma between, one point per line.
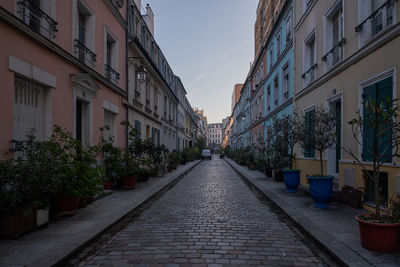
x=320, y=190
x=292, y=180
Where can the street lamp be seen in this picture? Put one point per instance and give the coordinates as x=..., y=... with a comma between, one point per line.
x=140, y=71
x=141, y=74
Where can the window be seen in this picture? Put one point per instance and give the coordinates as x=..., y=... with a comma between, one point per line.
x=148, y=94
x=268, y=98
x=276, y=91
x=374, y=16
x=109, y=123
x=82, y=121
x=289, y=28
x=309, y=62
x=155, y=101
x=271, y=58
x=285, y=82
x=29, y=109
x=309, y=123
x=37, y=15
x=111, y=57
x=334, y=40
x=378, y=92
x=84, y=41
x=138, y=127
x=278, y=43
x=369, y=195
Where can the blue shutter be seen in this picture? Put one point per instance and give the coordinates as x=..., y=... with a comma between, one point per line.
x=158, y=137
x=153, y=135
x=310, y=128
x=138, y=127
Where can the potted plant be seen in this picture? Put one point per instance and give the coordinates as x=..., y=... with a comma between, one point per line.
x=17, y=215
x=376, y=129
x=280, y=159
x=318, y=134
x=112, y=161
x=251, y=160
x=289, y=130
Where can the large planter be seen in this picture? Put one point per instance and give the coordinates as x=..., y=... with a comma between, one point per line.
x=268, y=172
x=292, y=180
x=320, y=190
x=278, y=176
x=261, y=167
x=129, y=182
x=15, y=223
x=65, y=204
x=252, y=166
x=42, y=217
x=379, y=237
x=108, y=185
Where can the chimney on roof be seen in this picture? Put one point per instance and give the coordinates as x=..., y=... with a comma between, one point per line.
x=149, y=18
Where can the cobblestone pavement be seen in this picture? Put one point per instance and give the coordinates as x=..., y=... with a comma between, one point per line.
x=210, y=218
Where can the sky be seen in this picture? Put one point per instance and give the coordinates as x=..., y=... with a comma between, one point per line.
x=209, y=44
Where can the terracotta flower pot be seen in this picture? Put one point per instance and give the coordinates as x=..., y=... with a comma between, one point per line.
x=108, y=185
x=379, y=237
x=129, y=182
x=17, y=222
x=65, y=204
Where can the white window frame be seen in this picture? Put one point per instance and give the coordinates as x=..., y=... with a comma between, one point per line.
x=90, y=41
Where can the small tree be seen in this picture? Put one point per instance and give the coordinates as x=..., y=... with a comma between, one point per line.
x=377, y=131
x=318, y=132
x=289, y=129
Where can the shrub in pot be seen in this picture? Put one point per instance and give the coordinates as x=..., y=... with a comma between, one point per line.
x=318, y=134
x=112, y=162
x=378, y=127
x=288, y=129
x=78, y=173
x=279, y=155
x=251, y=161
x=16, y=212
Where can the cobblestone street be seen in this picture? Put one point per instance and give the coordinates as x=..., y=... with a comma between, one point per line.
x=209, y=218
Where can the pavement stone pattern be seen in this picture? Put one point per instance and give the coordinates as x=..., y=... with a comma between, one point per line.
x=210, y=218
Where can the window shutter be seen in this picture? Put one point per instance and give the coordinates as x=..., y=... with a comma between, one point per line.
x=138, y=127
x=385, y=93
x=369, y=93
x=310, y=128
x=153, y=137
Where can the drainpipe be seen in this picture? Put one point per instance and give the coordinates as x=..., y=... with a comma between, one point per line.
x=126, y=73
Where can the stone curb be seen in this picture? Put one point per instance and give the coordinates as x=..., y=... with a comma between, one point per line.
x=339, y=251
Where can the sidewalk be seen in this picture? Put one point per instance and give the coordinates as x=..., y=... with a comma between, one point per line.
x=334, y=228
x=52, y=244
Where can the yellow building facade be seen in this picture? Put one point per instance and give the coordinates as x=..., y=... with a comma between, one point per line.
x=342, y=48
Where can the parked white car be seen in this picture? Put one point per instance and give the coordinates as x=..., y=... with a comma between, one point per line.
x=206, y=154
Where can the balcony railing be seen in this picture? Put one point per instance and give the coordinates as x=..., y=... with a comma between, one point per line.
x=111, y=74
x=310, y=74
x=335, y=55
x=84, y=54
x=37, y=19
x=377, y=18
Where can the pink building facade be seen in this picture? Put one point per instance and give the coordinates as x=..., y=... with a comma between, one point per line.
x=62, y=63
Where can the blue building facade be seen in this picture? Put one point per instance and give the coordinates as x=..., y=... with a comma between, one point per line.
x=278, y=85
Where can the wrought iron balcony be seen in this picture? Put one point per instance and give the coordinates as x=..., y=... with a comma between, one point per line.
x=336, y=51
x=84, y=54
x=37, y=19
x=377, y=18
x=111, y=74
x=310, y=74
